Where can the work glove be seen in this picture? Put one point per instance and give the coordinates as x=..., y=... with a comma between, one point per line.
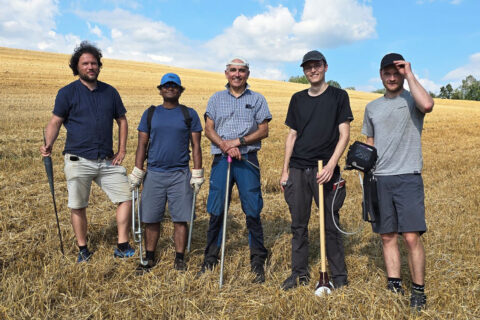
x=136, y=177
x=197, y=179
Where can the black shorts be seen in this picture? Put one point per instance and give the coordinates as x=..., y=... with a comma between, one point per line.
x=401, y=204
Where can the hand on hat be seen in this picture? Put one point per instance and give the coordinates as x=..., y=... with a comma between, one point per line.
x=403, y=67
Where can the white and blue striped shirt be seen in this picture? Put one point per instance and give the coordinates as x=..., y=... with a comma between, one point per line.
x=237, y=117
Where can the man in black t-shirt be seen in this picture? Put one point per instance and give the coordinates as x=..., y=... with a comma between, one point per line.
x=319, y=120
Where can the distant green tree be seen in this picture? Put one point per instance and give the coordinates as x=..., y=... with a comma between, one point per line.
x=470, y=88
x=446, y=92
x=298, y=79
x=334, y=83
x=350, y=88
x=382, y=91
x=432, y=94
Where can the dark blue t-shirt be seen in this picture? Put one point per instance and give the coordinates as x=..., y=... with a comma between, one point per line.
x=88, y=117
x=169, y=138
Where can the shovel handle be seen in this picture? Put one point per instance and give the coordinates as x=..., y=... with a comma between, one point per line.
x=321, y=210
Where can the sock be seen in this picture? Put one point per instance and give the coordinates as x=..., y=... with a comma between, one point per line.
x=179, y=256
x=396, y=282
x=418, y=288
x=83, y=247
x=122, y=246
x=150, y=255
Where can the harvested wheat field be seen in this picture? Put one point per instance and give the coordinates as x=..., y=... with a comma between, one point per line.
x=37, y=282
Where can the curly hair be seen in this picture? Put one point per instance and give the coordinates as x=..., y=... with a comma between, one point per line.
x=84, y=47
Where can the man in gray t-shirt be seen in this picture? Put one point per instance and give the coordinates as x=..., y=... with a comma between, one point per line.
x=393, y=124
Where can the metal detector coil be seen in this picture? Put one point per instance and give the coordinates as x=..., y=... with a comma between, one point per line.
x=361, y=156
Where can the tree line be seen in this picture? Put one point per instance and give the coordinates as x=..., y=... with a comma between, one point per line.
x=468, y=90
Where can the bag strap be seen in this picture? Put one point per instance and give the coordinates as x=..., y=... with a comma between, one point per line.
x=150, y=112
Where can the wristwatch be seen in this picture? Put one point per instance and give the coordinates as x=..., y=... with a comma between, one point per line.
x=242, y=141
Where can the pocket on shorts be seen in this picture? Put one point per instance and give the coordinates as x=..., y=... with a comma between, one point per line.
x=71, y=166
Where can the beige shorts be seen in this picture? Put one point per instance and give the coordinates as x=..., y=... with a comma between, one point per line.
x=80, y=173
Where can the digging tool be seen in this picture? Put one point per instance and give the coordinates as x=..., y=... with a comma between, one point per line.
x=190, y=227
x=323, y=286
x=136, y=224
x=47, y=161
x=224, y=229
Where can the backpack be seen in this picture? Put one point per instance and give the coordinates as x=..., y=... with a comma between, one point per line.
x=186, y=116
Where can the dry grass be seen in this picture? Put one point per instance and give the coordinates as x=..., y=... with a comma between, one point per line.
x=38, y=283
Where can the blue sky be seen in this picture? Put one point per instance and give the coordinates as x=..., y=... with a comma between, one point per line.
x=441, y=38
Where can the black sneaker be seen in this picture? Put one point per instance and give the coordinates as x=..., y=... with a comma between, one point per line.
x=142, y=269
x=291, y=282
x=205, y=266
x=180, y=265
x=259, y=274
x=418, y=301
x=397, y=290
x=84, y=255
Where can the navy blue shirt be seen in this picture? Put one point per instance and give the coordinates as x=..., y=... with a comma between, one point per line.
x=88, y=117
x=169, y=149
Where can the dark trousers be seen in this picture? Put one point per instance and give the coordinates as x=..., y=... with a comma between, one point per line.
x=301, y=187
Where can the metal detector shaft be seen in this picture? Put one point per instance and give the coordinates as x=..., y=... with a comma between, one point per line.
x=321, y=208
x=224, y=229
x=190, y=227
x=136, y=224
x=47, y=161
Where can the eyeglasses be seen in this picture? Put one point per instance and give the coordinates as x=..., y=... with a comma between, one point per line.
x=240, y=70
x=170, y=85
x=315, y=67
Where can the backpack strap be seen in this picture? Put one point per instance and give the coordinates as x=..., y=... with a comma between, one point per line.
x=150, y=112
x=188, y=122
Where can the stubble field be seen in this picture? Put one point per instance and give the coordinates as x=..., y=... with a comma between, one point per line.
x=37, y=282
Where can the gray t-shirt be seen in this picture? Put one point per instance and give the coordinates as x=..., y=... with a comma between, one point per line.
x=396, y=126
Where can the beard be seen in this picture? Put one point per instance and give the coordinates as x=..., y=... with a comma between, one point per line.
x=87, y=78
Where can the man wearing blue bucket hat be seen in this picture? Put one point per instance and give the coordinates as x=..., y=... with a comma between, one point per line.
x=164, y=134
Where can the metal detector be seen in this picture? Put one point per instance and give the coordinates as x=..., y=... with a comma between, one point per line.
x=47, y=161
x=136, y=224
x=192, y=216
x=324, y=286
x=224, y=229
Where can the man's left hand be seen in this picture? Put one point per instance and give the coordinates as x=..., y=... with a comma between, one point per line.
x=197, y=180
x=118, y=158
x=325, y=174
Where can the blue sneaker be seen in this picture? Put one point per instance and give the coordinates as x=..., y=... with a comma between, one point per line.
x=84, y=255
x=129, y=252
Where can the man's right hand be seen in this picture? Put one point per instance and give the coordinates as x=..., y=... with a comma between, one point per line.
x=136, y=177
x=283, y=180
x=46, y=151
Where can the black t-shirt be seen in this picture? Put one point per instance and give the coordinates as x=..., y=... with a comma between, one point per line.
x=316, y=120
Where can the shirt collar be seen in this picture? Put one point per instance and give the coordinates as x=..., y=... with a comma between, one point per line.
x=247, y=89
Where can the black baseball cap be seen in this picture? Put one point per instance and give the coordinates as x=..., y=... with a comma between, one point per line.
x=313, y=55
x=389, y=58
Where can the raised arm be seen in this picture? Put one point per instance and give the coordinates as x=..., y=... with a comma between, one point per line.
x=423, y=100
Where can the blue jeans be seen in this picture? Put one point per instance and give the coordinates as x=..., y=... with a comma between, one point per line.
x=247, y=179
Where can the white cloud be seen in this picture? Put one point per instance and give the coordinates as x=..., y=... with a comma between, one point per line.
x=95, y=30
x=30, y=24
x=471, y=68
x=275, y=35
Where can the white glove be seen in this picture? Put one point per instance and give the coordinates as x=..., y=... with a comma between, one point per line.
x=197, y=179
x=136, y=177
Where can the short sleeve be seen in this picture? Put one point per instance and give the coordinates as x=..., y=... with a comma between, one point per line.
x=143, y=126
x=345, y=112
x=211, y=112
x=196, y=125
x=290, y=120
x=62, y=105
x=367, y=127
x=263, y=113
x=119, y=107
